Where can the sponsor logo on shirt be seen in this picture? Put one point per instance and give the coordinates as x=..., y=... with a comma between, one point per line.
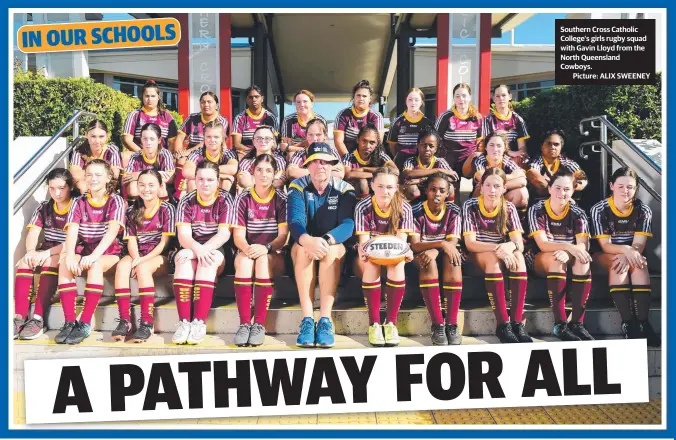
x=98, y=211
x=556, y=223
x=623, y=222
x=333, y=200
x=263, y=207
x=205, y=210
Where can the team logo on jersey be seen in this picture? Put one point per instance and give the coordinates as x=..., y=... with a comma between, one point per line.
x=251, y=214
x=452, y=126
x=48, y=222
x=85, y=218
x=311, y=197
x=402, y=130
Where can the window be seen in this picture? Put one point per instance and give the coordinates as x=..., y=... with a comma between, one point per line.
x=132, y=87
x=526, y=90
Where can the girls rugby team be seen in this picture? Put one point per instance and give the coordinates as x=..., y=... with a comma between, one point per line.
x=172, y=200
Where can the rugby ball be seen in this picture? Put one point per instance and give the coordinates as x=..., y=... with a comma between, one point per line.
x=386, y=250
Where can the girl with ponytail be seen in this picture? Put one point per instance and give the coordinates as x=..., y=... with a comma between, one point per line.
x=493, y=237
x=150, y=227
x=386, y=213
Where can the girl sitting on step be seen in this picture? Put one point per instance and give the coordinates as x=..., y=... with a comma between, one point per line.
x=150, y=228
x=493, y=238
x=260, y=233
x=93, y=229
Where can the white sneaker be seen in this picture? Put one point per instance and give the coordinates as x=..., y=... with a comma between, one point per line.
x=198, y=330
x=182, y=332
x=391, y=334
x=376, y=335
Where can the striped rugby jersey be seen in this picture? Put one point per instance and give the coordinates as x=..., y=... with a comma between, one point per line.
x=350, y=122
x=201, y=154
x=93, y=219
x=260, y=218
x=298, y=158
x=405, y=131
x=293, y=130
x=246, y=166
x=353, y=161
x=369, y=219
x=48, y=218
x=136, y=119
x=413, y=163
x=111, y=155
x=608, y=222
x=444, y=226
x=246, y=123
x=193, y=127
x=138, y=162
x=512, y=125
x=540, y=165
x=476, y=220
x=460, y=134
x=563, y=228
x=204, y=219
x=160, y=221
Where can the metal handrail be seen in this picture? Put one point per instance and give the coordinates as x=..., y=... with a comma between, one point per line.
x=36, y=184
x=74, y=121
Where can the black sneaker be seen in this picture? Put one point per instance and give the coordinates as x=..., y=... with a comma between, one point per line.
x=122, y=330
x=65, y=331
x=562, y=332
x=632, y=330
x=578, y=330
x=80, y=333
x=653, y=338
x=438, y=335
x=453, y=335
x=143, y=332
x=520, y=331
x=18, y=325
x=505, y=333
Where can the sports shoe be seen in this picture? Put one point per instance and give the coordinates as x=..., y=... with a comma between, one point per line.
x=648, y=332
x=562, y=332
x=122, y=330
x=505, y=333
x=306, y=333
x=242, y=335
x=65, y=331
x=256, y=335
x=438, y=335
x=520, y=331
x=18, y=325
x=391, y=334
x=33, y=329
x=182, y=332
x=143, y=332
x=578, y=330
x=376, y=335
x=325, y=337
x=631, y=329
x=453, y=335
x=198, y=330
x=79, y=333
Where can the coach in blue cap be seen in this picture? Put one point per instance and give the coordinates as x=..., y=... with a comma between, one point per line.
x=320, y=212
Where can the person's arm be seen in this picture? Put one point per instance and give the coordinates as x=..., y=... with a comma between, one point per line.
x=218, y=240
x=189, y=169
x=536, y=179
x=108, y=238
x=345, y=229
x=229, y=168
x=178, y=143
x=78, y=178
x=517, y=179
x=296, y=213
x=417, y=173
x=338, y=171
x=282, y=236
x=339, y=142
x=473, y=245
x=132, y=248
x=186, y=239
x=393, y=147
x=128, y=141
x=467, y=169
x=245, y=179
x=296, y=172
x=359, y=173
x=237, y=143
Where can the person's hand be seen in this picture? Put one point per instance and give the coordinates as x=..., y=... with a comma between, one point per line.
x=561, y=256
x=423, y=259
x=620, y=264
x=87, y=262
x=452, y=253
x=505, y=249
x=634, y=257
x=166, y=175
x=362, y=253
x=452, y=174
x=409, y=256
x=41, y=258
x=580, y=255
x=316, y=247
x=185, y=255
x=28, y=258
x=73, y=265
x=511, y=262
x=256, y=251
x=128, y=177
x=206, y=257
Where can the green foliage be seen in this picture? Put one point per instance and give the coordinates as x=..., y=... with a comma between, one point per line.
x=42, y=105
x=635, y=110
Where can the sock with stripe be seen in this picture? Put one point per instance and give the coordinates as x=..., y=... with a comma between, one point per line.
x=518, y=285
x=23, y=281
x=372, y=293
x=146, y=298
x=123, y=299
x=641, y=294
x=432, y=297
x=579, y=292
x=452, y=295
x=621, y=295
x=394, y=294
x=67, y=295
x=262, y=295
x=203, y=294
x=556, y=289
x=92, y=295
x=49, y=278
x=183, y=295
x=243, y=293
x=495, y=288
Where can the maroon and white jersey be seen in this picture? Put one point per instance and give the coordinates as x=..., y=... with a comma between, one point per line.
x=350, y=122
x=260, y=217
x=413, y=163
x=476, y=220
x=136, y=119
x=369, y=219
x=204, y=219
x=563, y=228
x=293, y=130
x=353, y=161
x=405, y=131
x=444, y=226
x=160, y=221
x=139, y=162
x=193, y=127
x=111, y=154
x=460, y=134
x=93, y=219
x=608, y=222
x=298, y=158
x=52, y=221
x=202, y=154
x=545, y=168
x=512, y=125
x=246, y=166
x=506, y=164
x=246, y=123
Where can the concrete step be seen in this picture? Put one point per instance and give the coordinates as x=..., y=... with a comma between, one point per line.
x=350, y=317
